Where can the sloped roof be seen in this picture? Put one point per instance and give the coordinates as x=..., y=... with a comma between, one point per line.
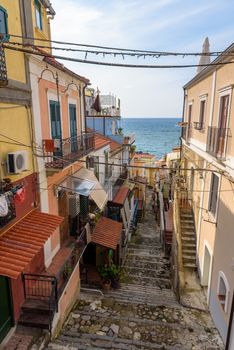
x=20, y=244
x=100, y=141
x=121, y=195
x=107, y=233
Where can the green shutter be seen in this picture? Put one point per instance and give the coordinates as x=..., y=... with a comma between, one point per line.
x=4, y=24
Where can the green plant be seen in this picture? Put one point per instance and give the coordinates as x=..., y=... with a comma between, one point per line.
x=67, y=270
x=109, y=273
x=104, y=272
x=120, y=131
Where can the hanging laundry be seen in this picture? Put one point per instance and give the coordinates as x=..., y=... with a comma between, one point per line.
x=3, y=206
x=20, y=195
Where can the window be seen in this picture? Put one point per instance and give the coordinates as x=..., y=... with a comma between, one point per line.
x=38, y=14
x=4, y=24
x=200, y=125
x=189, y=128
x=213, y=194
x=55, y=120
x=223, y=291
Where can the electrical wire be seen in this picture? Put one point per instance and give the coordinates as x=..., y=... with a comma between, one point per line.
x=216, y=53
x=111, y=64
x=124, y=165
x=127, y=53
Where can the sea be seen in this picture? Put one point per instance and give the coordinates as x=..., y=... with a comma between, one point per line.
x=154, y=135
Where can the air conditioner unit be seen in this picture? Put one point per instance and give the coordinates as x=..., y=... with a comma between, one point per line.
x=17, y=162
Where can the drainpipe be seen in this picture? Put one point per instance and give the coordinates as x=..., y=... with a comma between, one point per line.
x=84, y=104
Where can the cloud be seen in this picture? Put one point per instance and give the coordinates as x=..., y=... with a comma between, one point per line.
x=171, y=25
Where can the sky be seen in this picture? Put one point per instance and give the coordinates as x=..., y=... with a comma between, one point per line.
x=159, y=25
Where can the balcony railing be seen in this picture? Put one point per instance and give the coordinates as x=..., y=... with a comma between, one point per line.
x=199, y=126
x=58, y=153
x=186, y=132
x=3, y=70
x=217, y=142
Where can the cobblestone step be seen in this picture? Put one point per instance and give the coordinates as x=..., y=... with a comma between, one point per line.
x=147, y=272
x=144, y=313
x=149, y=299
x=91, y=342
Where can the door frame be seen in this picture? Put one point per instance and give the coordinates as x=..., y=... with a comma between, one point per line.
x=11, y=310
x=231, y=321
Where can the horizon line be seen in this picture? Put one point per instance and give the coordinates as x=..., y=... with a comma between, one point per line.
x=149, y=117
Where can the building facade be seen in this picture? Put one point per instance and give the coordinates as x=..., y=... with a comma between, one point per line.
x=24, y=229
x=207, y=157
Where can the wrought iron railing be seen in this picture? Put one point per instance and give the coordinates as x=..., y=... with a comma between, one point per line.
x=217, y=142
x=71, y=262
x=186, y=132
x=3, y=69
x=199, y=126
x=42, y=287
x=58, y=153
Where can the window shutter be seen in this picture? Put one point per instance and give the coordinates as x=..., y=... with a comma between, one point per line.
x=214, y=194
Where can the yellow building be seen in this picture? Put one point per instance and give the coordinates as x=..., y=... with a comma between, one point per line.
x=22, y=227
x=141, y=160
x=208, y=154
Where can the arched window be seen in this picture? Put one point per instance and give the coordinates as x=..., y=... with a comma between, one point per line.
x=223, y=291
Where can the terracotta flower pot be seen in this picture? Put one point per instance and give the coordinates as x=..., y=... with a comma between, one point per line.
x=106, y=285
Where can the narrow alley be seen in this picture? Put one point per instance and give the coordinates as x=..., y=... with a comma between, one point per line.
x=143, y=313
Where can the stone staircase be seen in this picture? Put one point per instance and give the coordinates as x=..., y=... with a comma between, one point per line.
x=188, y=238
x=144, y=313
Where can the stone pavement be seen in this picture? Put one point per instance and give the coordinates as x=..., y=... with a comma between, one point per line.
x=144, y=313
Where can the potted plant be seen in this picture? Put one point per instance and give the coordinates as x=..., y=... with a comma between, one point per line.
x=109, y=276
x=105, y=278
x=114, y=273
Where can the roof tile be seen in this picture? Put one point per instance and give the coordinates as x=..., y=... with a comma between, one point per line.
x=107, y=233
x=121, y=195
x=23, y=241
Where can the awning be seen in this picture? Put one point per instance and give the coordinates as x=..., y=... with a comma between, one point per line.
x=107, y=233
x=85, y=183
x=20, y=244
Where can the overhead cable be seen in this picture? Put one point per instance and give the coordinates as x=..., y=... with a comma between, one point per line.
x=213, y=53
x=111, y=64
x=143, y=54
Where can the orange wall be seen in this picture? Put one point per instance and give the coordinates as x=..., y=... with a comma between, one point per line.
x=44, y=86
x=56, y=179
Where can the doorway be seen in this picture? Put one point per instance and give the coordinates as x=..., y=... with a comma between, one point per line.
x=6, y=317
x=73, y=128
x=206, y=270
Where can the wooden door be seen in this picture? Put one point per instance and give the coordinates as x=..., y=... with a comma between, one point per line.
x=6, y=319
x=56, y=128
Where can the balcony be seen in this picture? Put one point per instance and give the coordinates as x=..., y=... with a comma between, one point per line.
x=199, y=126
x=59, y=153
x=44, y=291
x=186, y=132
x=217, y=142
x=3, y=70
